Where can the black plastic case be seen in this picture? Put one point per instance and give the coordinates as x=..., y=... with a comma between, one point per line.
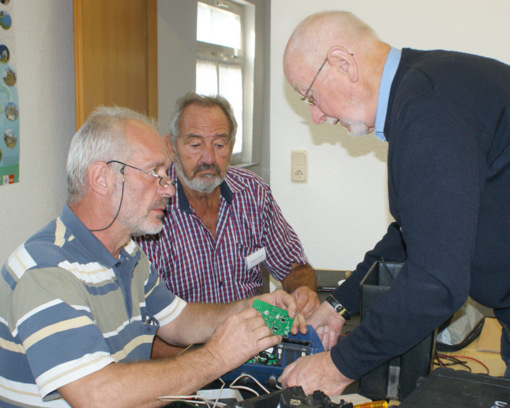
x=397, y=378
x=447, y=388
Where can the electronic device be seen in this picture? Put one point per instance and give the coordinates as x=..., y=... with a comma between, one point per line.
x=269, y=364
x=293, y=397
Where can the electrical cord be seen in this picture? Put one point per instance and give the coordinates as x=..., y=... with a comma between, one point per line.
x=248, y=388
x=457, y=360
x=120, y=204
x=196, y=400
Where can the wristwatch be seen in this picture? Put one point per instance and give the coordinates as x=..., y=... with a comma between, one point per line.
x=342, y=311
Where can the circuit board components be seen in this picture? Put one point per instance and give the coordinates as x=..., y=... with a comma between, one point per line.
x=277, y=319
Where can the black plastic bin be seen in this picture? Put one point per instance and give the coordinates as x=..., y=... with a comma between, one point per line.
x=397, y=378
x=447, y=388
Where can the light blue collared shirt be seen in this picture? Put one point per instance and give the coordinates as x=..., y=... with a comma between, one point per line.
x=389, y=71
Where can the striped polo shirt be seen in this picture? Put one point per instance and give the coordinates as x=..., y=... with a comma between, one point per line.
x=199, y=268
x=68, y=308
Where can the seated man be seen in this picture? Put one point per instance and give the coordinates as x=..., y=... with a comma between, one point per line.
x=80, y=304
x=223, y=223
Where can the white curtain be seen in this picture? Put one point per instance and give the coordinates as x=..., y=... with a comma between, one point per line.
x=231, y=87
x=207, y=77
x=225, y=79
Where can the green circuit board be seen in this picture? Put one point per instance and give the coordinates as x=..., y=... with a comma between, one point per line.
x=277, y=319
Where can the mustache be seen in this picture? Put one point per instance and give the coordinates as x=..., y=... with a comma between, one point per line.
x=163, y=202
x=205, y=166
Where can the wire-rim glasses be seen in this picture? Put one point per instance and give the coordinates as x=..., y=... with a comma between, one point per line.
x=310, y=100
x=164, y=182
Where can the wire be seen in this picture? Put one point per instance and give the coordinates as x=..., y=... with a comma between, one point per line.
x=118, y=209
x=193, y=400
x=475, y=360
x=199, y=400
x=450, y=361
x=219, y=394
x=248, y=388
x=242, y=387
x=257, y=382
x=456, y=360
x=189, y=399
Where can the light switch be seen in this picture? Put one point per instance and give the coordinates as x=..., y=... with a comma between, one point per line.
x=299, y=165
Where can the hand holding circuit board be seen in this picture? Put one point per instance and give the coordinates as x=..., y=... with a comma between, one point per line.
x=270, y=362
x=277, y=319
x=279, y=311
x=245, y=334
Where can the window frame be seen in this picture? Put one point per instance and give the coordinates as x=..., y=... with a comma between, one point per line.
x=247, y=57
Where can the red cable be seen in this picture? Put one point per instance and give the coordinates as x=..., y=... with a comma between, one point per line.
x=469, y=358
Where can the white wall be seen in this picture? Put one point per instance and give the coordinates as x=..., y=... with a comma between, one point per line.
x=177, y=55
x=45, y=78
x=342, y=210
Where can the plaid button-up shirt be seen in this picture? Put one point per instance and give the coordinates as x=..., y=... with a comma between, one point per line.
x=199, y=268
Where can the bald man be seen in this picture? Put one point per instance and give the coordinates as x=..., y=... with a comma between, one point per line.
x=446, y=118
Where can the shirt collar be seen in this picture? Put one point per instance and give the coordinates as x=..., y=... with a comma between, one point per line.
x=225, y=191
x=389, y=71
x=89, y=241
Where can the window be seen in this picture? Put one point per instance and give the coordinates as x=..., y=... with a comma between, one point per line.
x=222, y=64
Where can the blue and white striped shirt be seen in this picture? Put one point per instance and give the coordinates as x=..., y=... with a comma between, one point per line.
x=68, y=308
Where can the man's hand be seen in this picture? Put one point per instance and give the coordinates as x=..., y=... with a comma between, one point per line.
x=240, y=337
x=307, y=300
x=301, y=282
x=327, y=323
x=316, y=372
x=285, y=301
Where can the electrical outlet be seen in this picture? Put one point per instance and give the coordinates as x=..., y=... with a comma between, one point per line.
x=299, y=165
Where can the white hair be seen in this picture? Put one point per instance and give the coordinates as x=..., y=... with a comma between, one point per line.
x=101, y=138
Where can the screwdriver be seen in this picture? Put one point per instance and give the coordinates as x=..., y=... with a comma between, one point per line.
x=372, y=404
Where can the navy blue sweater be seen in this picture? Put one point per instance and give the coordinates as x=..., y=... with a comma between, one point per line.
x=448, y=129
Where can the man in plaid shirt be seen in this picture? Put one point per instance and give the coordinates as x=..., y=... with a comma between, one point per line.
x=223, y=223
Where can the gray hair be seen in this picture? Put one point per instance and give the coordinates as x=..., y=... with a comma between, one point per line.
x=101, y=138
x=192, y=98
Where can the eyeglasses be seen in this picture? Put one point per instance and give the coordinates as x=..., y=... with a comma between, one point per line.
x=164, y=182
x=310, y=100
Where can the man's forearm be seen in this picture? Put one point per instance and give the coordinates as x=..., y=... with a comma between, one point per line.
x=140, y=384
x=205, y=317
x=300, y=275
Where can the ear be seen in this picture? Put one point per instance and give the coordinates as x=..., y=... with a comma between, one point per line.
x=169, y=147
x=98, y=177
x=344, y=62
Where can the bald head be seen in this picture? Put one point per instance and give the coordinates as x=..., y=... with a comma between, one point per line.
x=315, y=35
x=335, y=60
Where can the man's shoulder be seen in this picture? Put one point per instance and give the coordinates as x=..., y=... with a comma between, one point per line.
x=50, y=246
x=47, y=239
x=39, y=251
x=242, y=178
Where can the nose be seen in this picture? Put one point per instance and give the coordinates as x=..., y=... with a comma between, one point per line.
x=318, y=116
x=168, y=191
x=208, y=154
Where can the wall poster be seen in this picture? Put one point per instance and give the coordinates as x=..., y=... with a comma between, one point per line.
x=9, y=114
